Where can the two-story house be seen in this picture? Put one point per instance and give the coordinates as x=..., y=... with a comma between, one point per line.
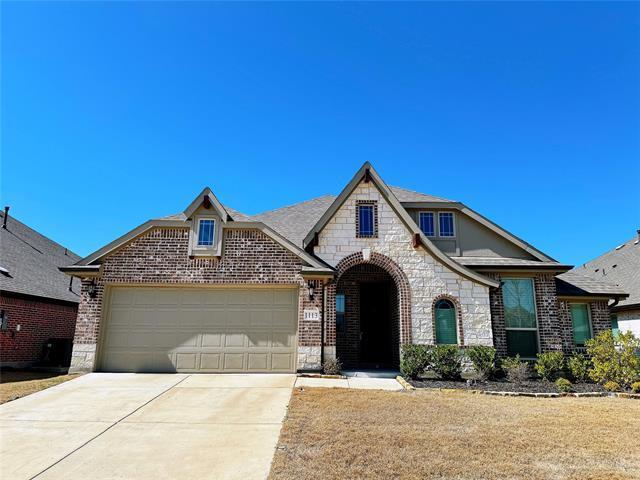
x=354, y=276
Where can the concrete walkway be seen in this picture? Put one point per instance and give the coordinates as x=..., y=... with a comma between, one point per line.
x=366, y=383
x=146, y=426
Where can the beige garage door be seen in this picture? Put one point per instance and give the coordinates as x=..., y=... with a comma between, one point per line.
x=200, y=330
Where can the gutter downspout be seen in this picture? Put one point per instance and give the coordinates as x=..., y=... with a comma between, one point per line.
x=322, y=320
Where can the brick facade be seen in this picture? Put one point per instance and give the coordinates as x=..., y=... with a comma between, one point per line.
x=39, y=320
x=160, y=257
x=555, y=329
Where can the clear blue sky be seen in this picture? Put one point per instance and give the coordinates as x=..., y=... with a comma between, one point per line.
x=114, y=113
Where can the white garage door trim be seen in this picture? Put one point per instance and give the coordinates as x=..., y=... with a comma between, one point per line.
x=199, y=328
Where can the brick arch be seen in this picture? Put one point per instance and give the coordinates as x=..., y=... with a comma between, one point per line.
x=458, y=307
x=399, y=278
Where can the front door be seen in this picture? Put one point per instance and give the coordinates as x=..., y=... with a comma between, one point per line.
x=376, y=336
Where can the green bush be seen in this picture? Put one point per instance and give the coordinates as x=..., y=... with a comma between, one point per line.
x=484, y=360
x=333, y=366
x=635, y=387
x=579, y=365
x=611, y=386
x=549, y=365
x=564, y=386
x=614, y=359
x=515, y=369
x=446, y=361
x=415, y=359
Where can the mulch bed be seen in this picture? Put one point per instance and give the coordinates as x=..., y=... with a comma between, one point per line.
x=532, y=386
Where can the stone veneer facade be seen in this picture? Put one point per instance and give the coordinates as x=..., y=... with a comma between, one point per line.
x=160, y=257
x=426, y=277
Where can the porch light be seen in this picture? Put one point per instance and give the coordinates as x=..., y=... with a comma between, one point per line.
x=92, y=290
x=311, y=290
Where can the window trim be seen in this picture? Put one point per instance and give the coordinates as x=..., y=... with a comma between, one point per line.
x=433, y=218
x=194, y=233
x=453, y=224
x=573, y=338
x=435, y=321
x=535, y=311
x=214, y=236
x=374, y=208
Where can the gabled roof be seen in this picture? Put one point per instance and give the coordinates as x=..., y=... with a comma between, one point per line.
x=491, y=263
x=207, y=196
x=30, y=262
x=368, y=173
x=620, y=267
x=409, y=196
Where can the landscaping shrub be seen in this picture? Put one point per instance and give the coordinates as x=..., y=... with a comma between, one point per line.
x=564, y=386
x=635, y=387
x=333, y=366
x=484, y=361
x=446, y=361
x=549, y=365
x=614, y=359
x=579, y=365
x=415, y=359
x=515, y=369
x=611, y=386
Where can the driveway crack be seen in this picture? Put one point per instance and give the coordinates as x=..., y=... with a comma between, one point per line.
x=108, y=428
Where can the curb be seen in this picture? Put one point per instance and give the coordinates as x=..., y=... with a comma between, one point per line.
x=320, y=375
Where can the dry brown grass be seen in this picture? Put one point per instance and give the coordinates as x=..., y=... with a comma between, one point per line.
x=336, y=433
x=16, y=384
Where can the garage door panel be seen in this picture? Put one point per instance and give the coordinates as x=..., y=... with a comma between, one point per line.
x=282, y=361
x=238, y=318
x=197, y=329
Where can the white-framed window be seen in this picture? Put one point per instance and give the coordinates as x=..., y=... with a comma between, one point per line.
x=427, y=223
x=446, y=224
x=206, y=232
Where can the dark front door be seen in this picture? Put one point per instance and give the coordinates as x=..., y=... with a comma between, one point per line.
x=376, y=336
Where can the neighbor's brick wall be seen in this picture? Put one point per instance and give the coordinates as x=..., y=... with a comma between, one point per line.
x=427, y=277
x=39, y=321
x=161, y=257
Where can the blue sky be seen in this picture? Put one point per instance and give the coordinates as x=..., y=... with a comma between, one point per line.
x=114, y=113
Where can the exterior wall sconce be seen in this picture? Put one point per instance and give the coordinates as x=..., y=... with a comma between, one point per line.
x=92, y=290
x=311, y=290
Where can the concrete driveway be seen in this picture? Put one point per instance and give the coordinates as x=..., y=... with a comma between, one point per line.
x=139, y=426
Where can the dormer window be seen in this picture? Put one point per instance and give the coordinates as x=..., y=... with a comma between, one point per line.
x=205, y=236
x=206, y=232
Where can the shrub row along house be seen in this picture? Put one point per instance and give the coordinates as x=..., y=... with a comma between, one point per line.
x=354, y=276
x=38, y=303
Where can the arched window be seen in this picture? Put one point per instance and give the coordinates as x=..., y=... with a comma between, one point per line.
x=445, y=322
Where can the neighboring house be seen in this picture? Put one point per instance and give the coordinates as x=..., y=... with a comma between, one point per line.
x=354, y=276
x=37, y=301
x=619, y=267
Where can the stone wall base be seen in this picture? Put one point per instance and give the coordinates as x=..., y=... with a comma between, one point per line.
x=83, y=357
x=309, y=358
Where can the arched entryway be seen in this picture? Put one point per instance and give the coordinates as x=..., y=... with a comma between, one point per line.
x=372, y=313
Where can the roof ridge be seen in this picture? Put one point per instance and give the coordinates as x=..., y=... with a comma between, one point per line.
x=292, y=205
x=44, y=237
x=608, y=252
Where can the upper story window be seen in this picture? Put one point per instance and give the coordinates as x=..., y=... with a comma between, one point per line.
x=366, y=219
x=446, y=224
x=427, y=225
x=520, y=317
x=206, y=232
